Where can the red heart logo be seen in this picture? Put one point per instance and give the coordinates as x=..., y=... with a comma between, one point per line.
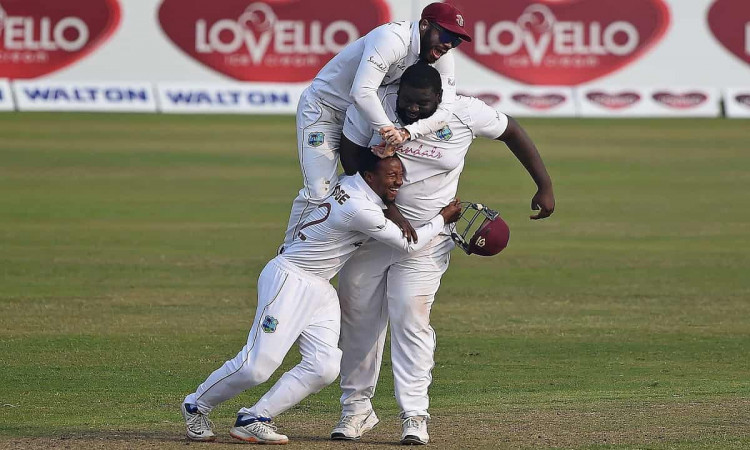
x=275, y=40
x=38, y=37
x=744, y=99
x=614, y=101
x=729, y=21
x=682, y=101
x=562, y=42
x=540, y=102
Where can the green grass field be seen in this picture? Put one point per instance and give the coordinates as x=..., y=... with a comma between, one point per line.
x=130, y=247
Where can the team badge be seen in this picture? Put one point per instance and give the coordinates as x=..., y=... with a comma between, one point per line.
x=269, y=324
x=444, y=133
x=460, y=20
x=481, y=241
x=315, y=139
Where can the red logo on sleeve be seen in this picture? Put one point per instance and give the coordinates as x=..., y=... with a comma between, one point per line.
x=38, y=37
x=562, y=42
x=272, y=40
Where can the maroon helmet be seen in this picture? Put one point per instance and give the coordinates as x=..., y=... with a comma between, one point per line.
x=489, y=239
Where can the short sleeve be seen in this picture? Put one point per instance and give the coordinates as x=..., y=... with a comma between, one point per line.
x=486, y=121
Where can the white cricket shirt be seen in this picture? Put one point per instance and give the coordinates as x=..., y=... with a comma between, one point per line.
x=343, y=222
x=379, y=58
x=432, y=163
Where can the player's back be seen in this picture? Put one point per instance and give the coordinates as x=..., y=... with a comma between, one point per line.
x=327, y=239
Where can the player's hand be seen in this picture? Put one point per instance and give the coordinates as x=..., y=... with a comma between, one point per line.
x=394, y=215
x=394, y=136
x=383, y=151
x=544, y=202
x=452, y=212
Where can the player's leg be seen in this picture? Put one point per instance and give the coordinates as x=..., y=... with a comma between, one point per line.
x=279, y=319
x=319, y=367
x=411, y=287
x=364, y=320
x=318, y=135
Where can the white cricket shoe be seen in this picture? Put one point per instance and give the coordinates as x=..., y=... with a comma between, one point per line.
x=198, y=425
x=260, y=430
x=414, y=431
x=352, y=427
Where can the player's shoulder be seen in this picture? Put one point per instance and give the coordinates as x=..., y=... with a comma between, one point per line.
x=467, y=109
x=349, y=192
x=461, y=110
x=392, y=32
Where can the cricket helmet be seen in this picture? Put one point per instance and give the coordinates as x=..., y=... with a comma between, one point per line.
x=490, y=235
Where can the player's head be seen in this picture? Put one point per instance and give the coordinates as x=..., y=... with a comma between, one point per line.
x=441, y=28
x=420, y=91
x=384, y=175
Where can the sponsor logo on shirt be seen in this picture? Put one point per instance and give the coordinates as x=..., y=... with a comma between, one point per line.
x=430, y=152
x=381, y=66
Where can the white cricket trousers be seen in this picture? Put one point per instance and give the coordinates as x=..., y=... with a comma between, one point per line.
x=293, y=305
x=318, y=135
x=377, y=284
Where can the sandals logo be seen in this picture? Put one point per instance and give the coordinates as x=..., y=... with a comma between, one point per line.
x=276, y=40
x=38, y=37
x=562, y=42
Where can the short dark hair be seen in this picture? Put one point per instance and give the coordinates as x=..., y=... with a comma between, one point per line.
x=421, y=75
x=368, y=162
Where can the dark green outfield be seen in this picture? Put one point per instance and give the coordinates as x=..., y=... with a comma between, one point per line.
x=130, y=247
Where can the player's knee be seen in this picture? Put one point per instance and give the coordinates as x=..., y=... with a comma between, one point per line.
x=258, y=370
x=326, y=368
x=413, y=310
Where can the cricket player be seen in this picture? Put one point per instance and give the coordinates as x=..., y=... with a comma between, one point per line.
x=382, y=283
x=353, y=77
x=296, y=302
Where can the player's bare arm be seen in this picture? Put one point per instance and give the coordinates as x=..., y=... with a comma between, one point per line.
x=523, y=148
x=349, y=153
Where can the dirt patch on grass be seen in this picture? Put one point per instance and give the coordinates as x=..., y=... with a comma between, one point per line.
x=720, y=423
